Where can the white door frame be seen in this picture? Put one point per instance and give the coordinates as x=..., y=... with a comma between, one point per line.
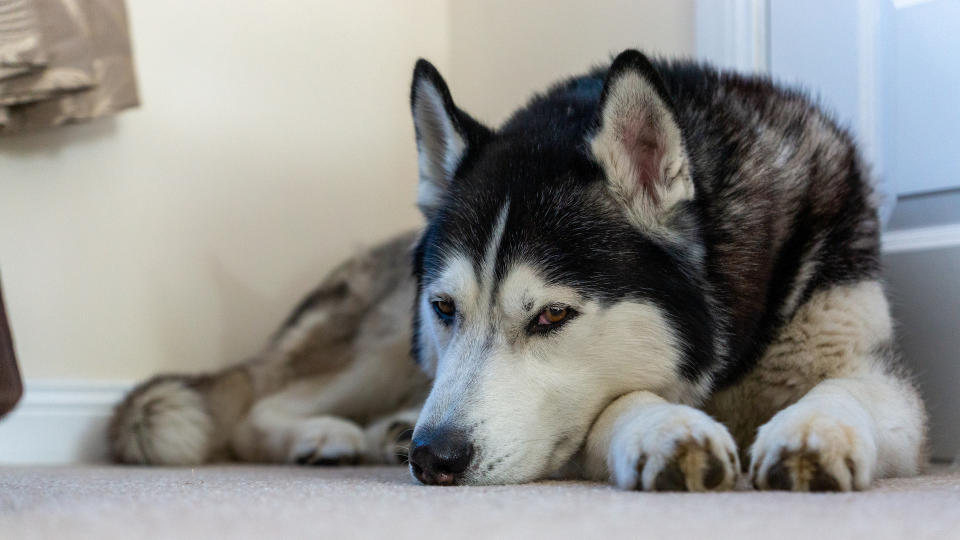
x=734, y=34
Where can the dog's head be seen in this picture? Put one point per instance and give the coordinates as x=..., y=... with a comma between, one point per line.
x=559, y=269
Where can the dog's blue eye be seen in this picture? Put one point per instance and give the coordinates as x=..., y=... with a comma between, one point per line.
x=445, y=309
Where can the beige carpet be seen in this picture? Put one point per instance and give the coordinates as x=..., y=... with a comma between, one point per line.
x=293, y=502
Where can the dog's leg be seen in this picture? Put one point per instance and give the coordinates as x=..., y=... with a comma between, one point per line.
x=640, y=441
x=276, y=432
x=841, y=435
x=861, y=418
x=279, y=430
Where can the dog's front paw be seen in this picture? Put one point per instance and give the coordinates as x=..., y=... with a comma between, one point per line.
x=673, y=448
x=806, y=449
x=327, y=440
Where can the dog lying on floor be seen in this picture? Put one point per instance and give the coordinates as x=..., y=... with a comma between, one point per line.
x=650, y=274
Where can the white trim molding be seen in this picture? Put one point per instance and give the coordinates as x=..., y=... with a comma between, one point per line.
x=734, y=34
x=60, y=422
x=920, y=239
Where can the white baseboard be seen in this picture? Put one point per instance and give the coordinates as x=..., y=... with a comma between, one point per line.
x=60, y=422
x=921, y=239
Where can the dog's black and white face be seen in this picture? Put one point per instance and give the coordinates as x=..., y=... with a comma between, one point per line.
x=558, y=270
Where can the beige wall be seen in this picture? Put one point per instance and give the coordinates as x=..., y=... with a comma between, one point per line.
x=274, y=139
x=503, y=49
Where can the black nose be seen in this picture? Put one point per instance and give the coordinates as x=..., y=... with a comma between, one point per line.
x=439, y=457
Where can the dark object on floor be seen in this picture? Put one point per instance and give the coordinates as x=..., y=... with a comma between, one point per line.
x=11, y=388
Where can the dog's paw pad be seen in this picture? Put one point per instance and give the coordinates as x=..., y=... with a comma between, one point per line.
x=811, y=452
x=802, y=471
x=715, y=473
x=327, y=441
x=685, y=451
x=695, y=467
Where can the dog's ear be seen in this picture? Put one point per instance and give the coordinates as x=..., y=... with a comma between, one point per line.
x=445, y=135
x=638, y=142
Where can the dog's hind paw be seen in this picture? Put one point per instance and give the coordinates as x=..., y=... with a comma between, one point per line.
x=673, y=448
x=806, y=449
x=388, y=438
x=327, y=440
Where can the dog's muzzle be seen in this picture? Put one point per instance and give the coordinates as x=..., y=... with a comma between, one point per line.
x=440, y=456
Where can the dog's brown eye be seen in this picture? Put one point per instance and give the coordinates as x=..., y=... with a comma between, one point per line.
x=445, y=309
x=553, y=315
x=551, y=319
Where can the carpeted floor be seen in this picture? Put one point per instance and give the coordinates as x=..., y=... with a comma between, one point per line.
x=294, y=502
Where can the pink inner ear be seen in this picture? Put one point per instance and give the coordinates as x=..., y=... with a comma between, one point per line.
x=638, y=133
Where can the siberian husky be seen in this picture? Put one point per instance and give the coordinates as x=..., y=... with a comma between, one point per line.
x=655, y=274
